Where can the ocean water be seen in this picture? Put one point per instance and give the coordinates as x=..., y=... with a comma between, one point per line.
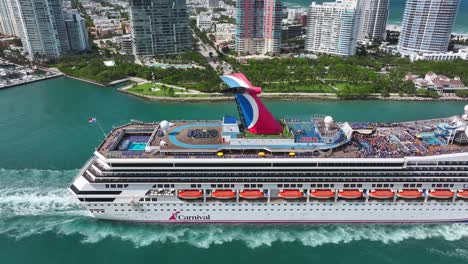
x=45, y=138
x=397, y=8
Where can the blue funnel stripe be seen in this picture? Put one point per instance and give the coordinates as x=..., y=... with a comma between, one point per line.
x=230, y=82
x=246, y=108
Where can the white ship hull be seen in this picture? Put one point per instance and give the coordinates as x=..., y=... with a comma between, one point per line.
x=287, y=212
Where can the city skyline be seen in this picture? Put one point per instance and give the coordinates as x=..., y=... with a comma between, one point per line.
x=159, y=27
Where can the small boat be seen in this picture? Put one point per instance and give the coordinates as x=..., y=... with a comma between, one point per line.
x=223, y=194
x=410, y=194
x=291, y=194
x=190, y=194
x=322, y=194
x=441, y=194
x=251, y=194
x=350, y=194
x=462, y=194
x=382, y=194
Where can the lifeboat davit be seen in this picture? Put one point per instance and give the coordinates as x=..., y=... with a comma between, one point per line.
x=223, y=194
x=462, y=194
x=251, y=194
x=190, y=194
x=350, y=194
x=322, y=194
x=291, y=194
x=410, y=194
x=441, y=194
x=382, y=194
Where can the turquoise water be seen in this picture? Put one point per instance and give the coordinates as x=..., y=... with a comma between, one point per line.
x=396, y=12
x=45, y=138
x=137, y=146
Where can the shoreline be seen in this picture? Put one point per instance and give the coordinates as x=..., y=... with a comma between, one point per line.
x=84, y=80
x=268, y=96
x=119, y=81
x=287, y=97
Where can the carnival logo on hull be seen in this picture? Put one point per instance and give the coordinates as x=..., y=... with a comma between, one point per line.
x=178, y=216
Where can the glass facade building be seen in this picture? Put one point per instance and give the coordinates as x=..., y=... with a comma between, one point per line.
x=159, y=27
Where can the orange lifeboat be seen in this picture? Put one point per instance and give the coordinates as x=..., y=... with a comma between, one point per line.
x=441, y=194
x=291, y=194
x=462, y=194
x=223, y=194
x=382, y=194
x=322, y=194
x=410, y=194
x=350, y=194
x=190, y=194
x=251, y=194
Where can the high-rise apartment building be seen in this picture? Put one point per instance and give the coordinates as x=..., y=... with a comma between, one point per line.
x=333, y=27
x=41, y=25
x=258, y=26
x=373, y=19
x=427, y=25
x=76, y=32
x=213, y=3
x=8, y=16
x=159, y=27
x=42, y=21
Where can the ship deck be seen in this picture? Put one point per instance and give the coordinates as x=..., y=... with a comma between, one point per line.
x=203, y=139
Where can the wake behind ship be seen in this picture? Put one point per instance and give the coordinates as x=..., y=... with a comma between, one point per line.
x=254, y=169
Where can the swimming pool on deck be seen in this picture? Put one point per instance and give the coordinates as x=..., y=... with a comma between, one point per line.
x=137, y=146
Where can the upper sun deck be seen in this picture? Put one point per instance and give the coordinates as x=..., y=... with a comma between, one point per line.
x=315, y=137
x=257, y=134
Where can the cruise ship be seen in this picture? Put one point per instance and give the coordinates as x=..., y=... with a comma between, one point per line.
x=254, y=168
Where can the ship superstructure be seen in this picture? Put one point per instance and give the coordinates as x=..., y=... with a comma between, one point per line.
x=254, y=168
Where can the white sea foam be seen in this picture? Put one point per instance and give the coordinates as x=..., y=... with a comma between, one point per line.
x=35, y=192
x=33, y=202
x=93, y=231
